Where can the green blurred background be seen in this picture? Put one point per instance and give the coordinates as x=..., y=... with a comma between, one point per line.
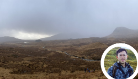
x=110, y=58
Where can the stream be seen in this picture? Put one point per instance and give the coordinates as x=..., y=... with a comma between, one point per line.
x=80, y=57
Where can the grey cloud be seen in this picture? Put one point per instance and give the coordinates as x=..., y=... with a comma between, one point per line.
x=89, y=17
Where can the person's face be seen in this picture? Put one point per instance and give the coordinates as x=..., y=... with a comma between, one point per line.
x=122, y=57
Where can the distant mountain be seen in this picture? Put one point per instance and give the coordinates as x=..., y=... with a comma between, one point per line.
x=64, y=36
x=8, y=39
x=123, y=32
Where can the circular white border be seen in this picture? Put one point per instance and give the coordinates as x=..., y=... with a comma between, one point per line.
x=118, y=45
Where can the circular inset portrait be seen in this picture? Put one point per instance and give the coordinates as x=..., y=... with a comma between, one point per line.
x=119, y=61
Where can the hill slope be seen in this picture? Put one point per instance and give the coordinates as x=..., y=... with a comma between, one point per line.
x=123, y=32
x=64, y=36
x=8, y=39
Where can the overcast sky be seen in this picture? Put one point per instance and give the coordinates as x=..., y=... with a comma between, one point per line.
x=34, y=19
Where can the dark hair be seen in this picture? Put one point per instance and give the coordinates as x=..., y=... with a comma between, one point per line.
x=120, y=50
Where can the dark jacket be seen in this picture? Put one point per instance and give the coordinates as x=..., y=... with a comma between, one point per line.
x=120, y=74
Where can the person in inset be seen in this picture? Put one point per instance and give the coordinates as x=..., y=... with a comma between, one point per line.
x=121, y=69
